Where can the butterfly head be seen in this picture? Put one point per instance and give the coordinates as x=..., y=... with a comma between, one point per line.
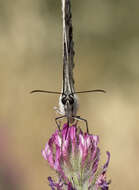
x=68, y=104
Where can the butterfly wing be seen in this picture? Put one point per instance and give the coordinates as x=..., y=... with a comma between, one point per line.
x=68, y=49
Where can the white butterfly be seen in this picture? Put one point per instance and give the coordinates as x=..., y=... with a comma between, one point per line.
x=68, y=101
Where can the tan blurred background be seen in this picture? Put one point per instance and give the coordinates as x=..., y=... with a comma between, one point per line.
x=106, y=35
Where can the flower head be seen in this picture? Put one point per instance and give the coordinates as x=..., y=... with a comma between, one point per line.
x=75, y=157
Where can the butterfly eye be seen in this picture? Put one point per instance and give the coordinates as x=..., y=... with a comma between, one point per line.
x=71, y=100
x=63, y=100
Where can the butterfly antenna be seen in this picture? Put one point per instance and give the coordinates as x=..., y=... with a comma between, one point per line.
x=88, y=91
x=44, y=91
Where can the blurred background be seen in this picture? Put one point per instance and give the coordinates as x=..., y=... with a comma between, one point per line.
x=106, y=36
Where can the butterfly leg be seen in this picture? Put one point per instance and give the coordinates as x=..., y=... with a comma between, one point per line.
x=67, y=129
x=57, y=119
x=82, y=119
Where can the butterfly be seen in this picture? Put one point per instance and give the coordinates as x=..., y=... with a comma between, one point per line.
x=68, y=101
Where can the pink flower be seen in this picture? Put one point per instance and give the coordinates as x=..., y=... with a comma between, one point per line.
x=75, y=157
